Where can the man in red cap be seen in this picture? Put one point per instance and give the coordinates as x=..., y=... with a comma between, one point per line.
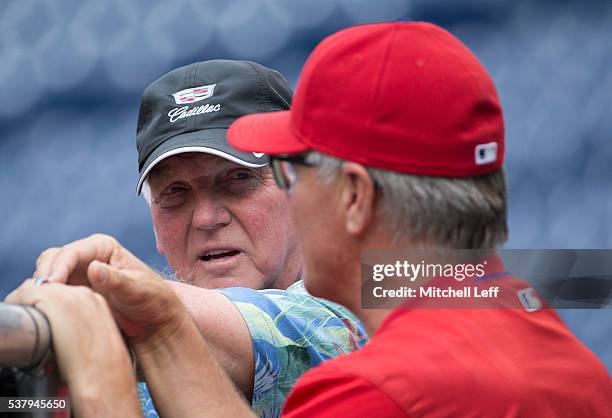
x=395, y=139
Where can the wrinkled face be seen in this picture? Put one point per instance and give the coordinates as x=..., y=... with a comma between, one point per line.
x=316, y=210
x=220, y=224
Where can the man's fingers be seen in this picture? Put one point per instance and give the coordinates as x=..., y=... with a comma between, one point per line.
x=71, y=260
x=69, y=263
x=64, y=264
x=122, y=285
x=131, y=295
x=27, y=294
x=13, y=297
x=45, y=261
x=99, y=275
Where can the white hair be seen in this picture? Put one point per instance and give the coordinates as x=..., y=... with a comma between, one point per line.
x=145, y=191
x=452, y=212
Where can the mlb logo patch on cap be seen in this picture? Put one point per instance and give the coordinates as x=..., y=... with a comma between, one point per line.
x=486, y=153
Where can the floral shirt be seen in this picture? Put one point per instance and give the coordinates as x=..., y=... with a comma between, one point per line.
x=292, y=332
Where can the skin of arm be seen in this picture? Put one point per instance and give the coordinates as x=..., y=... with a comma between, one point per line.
x=185, y=379
x=224, y=330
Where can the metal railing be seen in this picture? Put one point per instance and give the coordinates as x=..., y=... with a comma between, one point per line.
x=27, y=366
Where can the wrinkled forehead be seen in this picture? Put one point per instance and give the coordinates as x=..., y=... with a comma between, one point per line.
x=190, y=163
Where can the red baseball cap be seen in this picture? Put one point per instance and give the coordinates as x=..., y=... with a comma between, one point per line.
x=406, y=97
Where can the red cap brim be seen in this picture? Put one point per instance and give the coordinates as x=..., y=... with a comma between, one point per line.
x=270, y=133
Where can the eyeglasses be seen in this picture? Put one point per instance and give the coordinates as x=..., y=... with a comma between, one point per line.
x=285, y=174
x=283, y=171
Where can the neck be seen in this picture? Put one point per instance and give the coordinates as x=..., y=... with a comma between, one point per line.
x=287, y=281
x=292, y=271
x=372, y=318
x=291, y=274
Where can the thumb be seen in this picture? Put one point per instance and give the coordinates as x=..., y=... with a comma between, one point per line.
x=119, y=289
x=110, y=281
x=146, y=308
x=126, y=289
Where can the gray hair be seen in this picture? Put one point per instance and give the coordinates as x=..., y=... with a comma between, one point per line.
x=451, y=212
x=146, y=191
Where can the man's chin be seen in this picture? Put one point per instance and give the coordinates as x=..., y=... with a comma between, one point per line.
x=219, y=274
x=223, y=282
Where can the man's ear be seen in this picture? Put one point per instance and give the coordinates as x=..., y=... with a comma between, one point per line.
x=358, y=198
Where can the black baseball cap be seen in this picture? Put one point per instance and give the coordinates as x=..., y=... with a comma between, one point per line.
x=190, y=109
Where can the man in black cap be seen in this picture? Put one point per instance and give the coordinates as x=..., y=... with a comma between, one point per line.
x=221, y=221
x=218, y=217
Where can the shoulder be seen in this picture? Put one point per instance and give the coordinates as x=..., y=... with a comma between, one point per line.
x=291, y=332
x=293, y=314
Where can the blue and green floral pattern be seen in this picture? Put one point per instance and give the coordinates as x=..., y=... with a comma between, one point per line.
x=291, y=333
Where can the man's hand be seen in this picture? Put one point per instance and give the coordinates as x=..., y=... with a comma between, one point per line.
x=90, y=353
x=150, y=310
x=145, y=307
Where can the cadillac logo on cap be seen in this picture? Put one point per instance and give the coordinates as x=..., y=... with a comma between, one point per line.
x=194, y=94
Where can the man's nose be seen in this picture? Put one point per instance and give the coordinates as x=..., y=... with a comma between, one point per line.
x=210, y=213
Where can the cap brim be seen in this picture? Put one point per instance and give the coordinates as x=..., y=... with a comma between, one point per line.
x=208, y=141
x=265, y=132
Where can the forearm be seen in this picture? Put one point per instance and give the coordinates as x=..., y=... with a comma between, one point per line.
x=225, y=331
x=106, y=402
x=185, y=378
x=107, y=391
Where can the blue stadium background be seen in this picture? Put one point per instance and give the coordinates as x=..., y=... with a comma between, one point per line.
x=71, y=74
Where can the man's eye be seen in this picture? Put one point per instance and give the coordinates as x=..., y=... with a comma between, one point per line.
x=241, y=181
x=241, y=175
x=171, y=196
x=174, y=189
